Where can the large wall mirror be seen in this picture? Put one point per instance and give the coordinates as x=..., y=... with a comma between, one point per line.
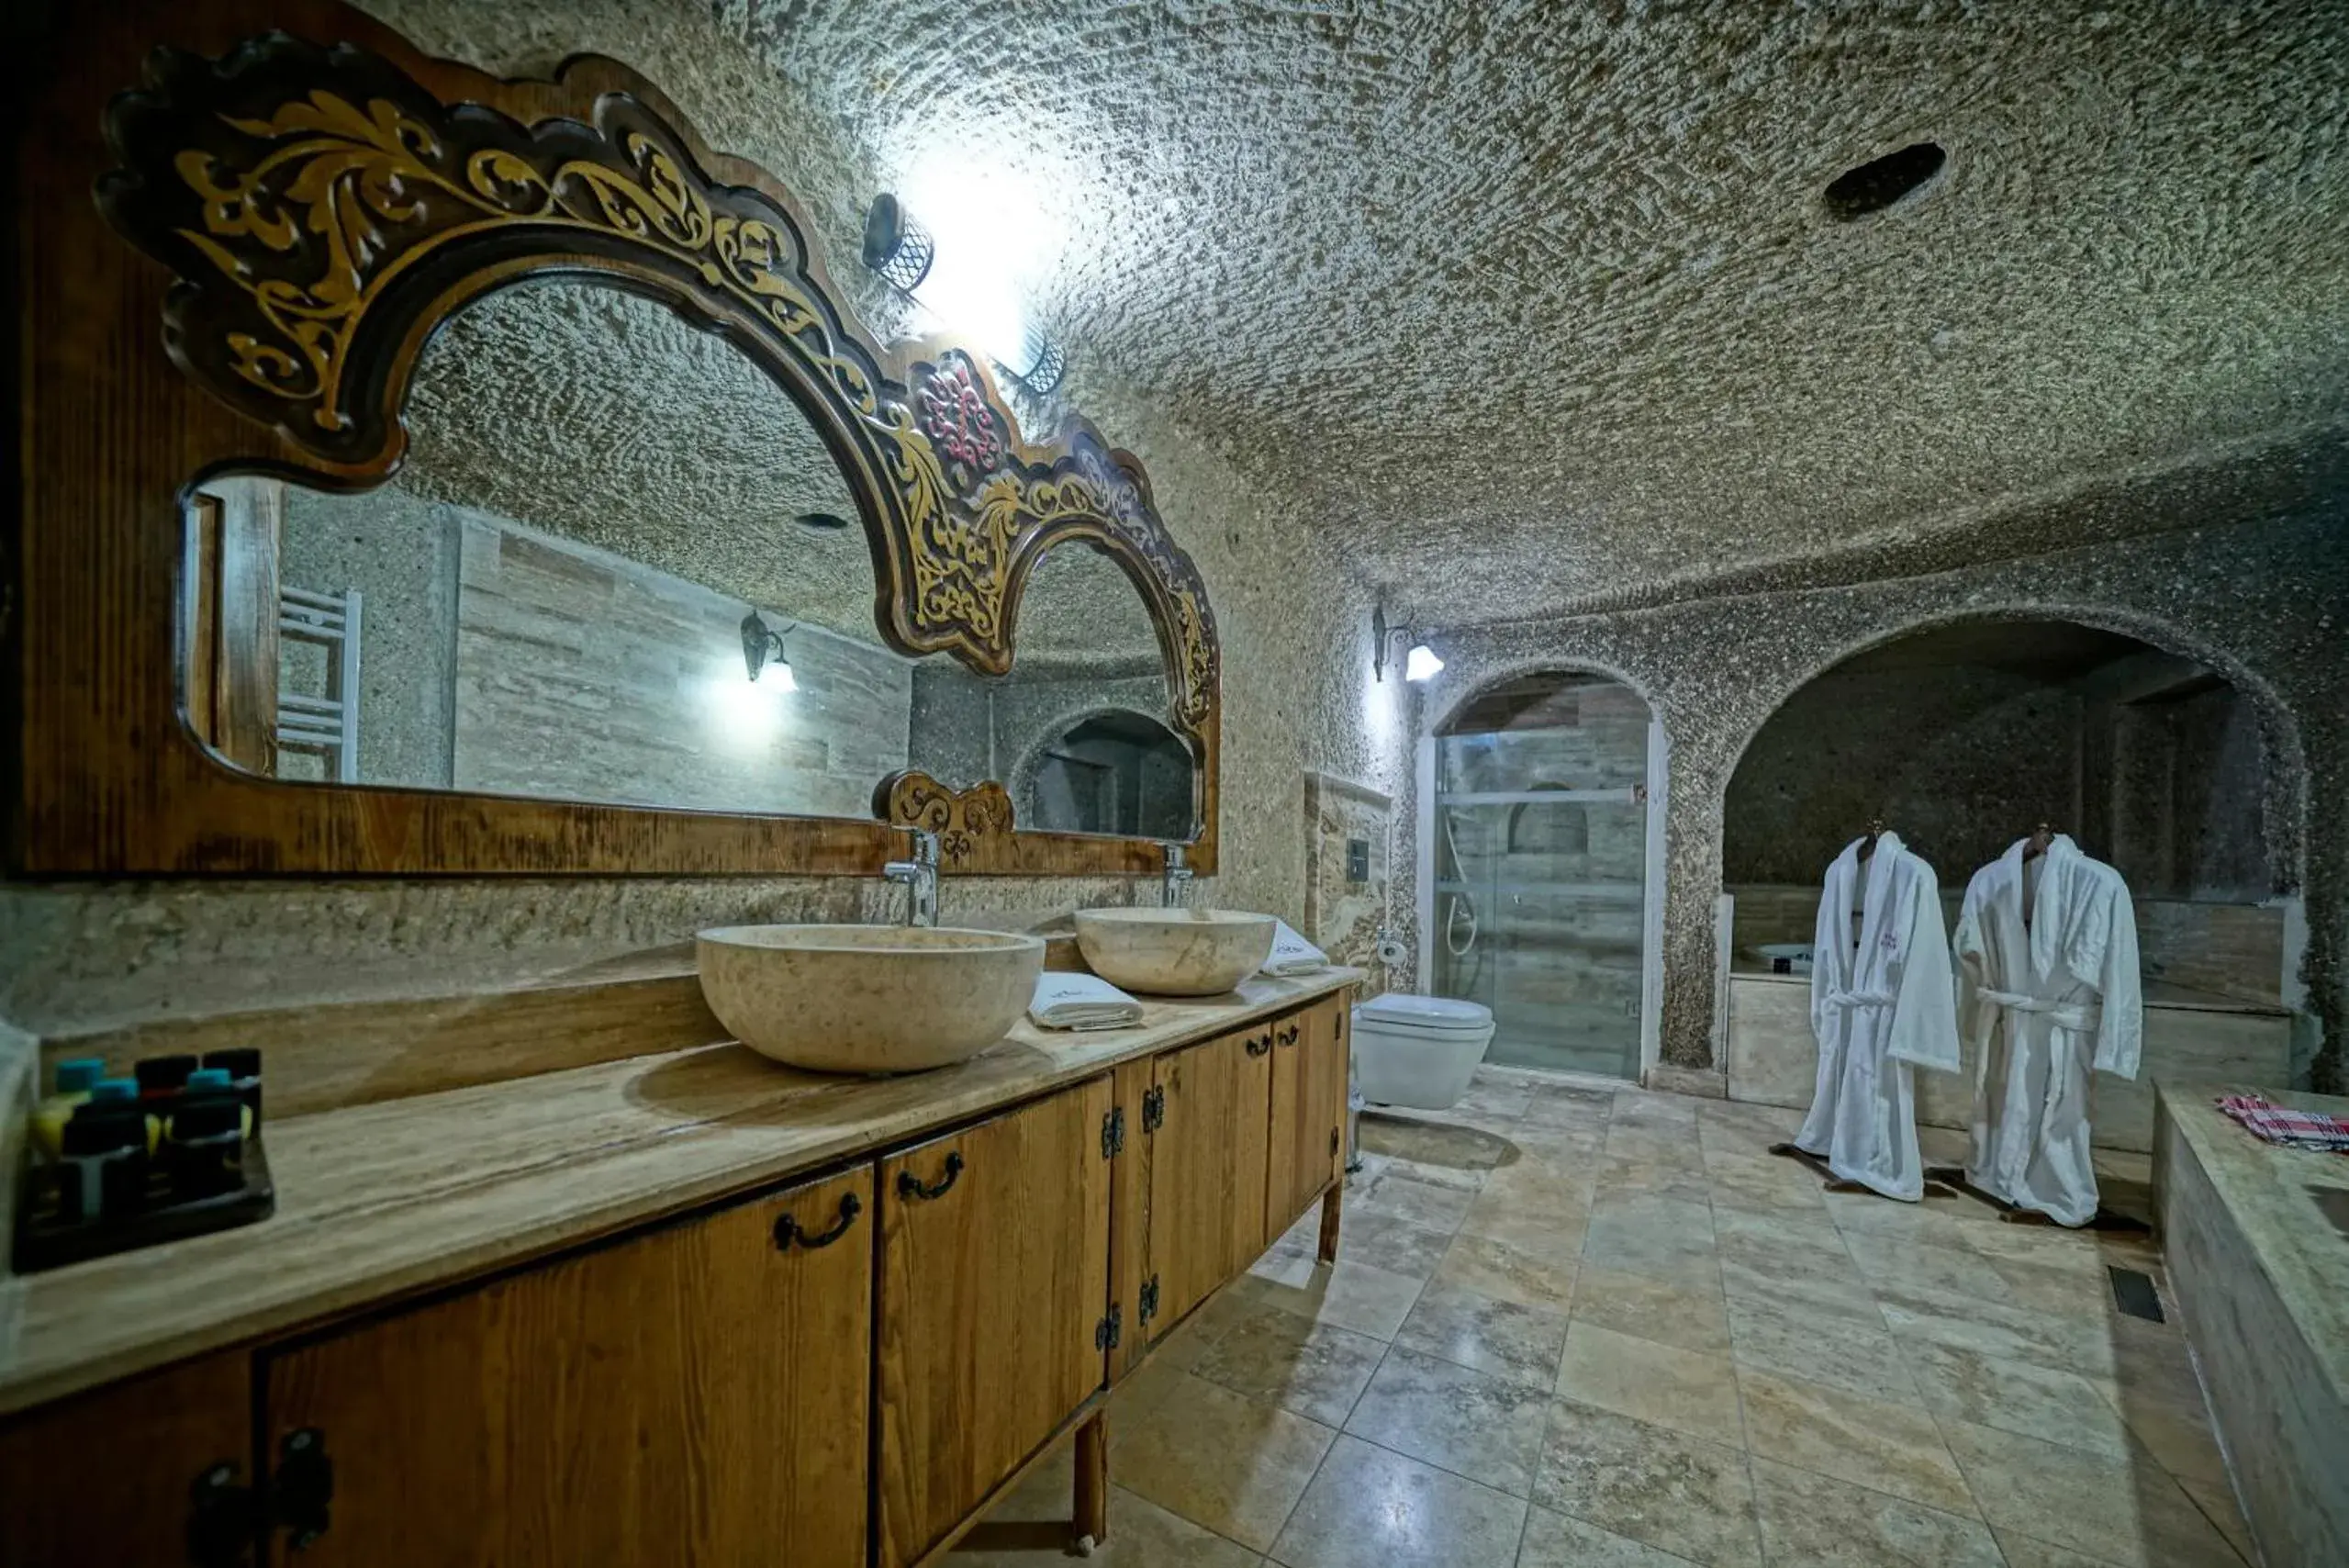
x=536, y=507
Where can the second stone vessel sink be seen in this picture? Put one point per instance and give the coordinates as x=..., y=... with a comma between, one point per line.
x=1174, y=952
x=868, y=998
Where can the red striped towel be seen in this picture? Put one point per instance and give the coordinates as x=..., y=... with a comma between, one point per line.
x=2281, y=1124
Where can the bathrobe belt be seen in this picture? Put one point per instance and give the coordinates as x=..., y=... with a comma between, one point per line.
x=1839, y=998
x=2075, y=1016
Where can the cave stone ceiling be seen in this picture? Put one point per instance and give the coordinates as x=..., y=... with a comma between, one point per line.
x=1536, y=305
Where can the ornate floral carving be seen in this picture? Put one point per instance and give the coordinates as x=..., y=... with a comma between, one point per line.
x=962, y=819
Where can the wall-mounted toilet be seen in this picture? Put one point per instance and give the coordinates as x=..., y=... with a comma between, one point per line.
x=1418, y=1051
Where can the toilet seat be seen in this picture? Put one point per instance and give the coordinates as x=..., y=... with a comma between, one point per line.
x=1404, y=1013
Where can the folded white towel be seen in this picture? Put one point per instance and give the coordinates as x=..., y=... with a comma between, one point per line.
x=1065, y=1000
x=1292, y=954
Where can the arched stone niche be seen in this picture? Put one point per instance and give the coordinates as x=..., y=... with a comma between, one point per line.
x=2243, y=601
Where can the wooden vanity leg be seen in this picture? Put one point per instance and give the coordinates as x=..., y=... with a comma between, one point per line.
x=1331, y=1202
x=1092, y=1483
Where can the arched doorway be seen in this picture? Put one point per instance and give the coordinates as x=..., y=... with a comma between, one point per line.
x=1539, y=862
x=1111, y=770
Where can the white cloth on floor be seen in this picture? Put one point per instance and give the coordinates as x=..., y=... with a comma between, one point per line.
x=1292, y=954
x=1065, y=1000
x=1880, y=1004
x=2043, y=1002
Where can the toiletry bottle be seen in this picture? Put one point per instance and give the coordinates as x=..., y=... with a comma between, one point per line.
x=204, y=1144
x=122, y=1095
x=74, y=1081
x=160, y=1078
x=208, y=1081
x=243, y=1064
x=102, y=1163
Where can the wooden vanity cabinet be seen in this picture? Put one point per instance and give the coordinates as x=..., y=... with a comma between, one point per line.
x=155, y=1470
x=1206, y=1121
x=995, y=1313
x=1309, y=1082
x=692, y=1395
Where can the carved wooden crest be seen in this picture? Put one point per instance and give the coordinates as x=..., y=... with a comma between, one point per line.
x=322, y=212
x=970, y=823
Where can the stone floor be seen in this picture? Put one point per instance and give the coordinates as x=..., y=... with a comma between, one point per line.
x=1572, y=1324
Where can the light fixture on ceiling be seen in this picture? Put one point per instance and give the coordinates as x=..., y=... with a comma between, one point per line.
x=763, y=650
x=962, y=291
x=1419, y=663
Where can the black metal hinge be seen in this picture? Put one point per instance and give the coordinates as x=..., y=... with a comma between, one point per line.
x=1109, y=1330
x=304, y=1489
x=221, y=1515
x=1114, y=1134
x=1154, y=1108
x=1333, y=1140
x=1148, y=1306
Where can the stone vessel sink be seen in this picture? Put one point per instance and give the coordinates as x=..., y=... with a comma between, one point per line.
x=868, y=998
x=1174, y=952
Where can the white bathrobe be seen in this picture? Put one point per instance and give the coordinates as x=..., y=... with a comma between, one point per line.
x=2042, y=1005
x=1878, y=1005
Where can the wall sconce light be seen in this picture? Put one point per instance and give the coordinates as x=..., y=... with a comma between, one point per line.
x=759, y=641
x=1420, y=664
x=904, y=254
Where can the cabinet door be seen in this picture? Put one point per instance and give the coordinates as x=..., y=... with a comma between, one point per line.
x=1208, y=1123
x=1308, y=1108
x=152, y=1471
x=695, y=1395
x=994, y=1286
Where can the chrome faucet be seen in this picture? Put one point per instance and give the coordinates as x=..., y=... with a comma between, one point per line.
x=919, y=876
x=1176, y=879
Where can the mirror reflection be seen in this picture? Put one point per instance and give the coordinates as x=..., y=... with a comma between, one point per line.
x=1076, y=731
x=618, y=565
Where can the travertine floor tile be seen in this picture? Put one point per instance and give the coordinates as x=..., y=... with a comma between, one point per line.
x=1467, y=1422
x=1688, y=1391
x=1897, y=1261
x=1315, y=1369
x=2125, y=1512
x=1542, y=1277
x=1406, y=1197
x=1694, y=1317
x=1869, y=1442
x=1814, y=1520
x=1368, y=1505
x=1032, y=1528
x=1655, y=1485
x=2022, y=1552
x=2047, y=1403
x=1820, y=1345
x=1360, y=1296
x=2216, y=1498
x=1662, y=1236
x=1398, y=1246
x=1555, y=1541
x=1232, y=1464
x=1506, y=1339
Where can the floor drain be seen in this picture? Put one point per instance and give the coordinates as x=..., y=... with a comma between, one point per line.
x=2134, y=1293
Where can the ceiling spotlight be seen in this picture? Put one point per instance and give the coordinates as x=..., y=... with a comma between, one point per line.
x=763, y=649
x=821, y=522
x=1421, y=663
x=972, y=295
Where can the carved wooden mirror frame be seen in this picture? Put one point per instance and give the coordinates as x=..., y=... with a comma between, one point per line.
x=318, y=212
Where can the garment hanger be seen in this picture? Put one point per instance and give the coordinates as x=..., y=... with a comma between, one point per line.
x=2041, y=837
x=1868, y=842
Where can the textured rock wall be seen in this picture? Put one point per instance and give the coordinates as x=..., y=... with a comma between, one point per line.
x=2263, y=604
x=1294, y=626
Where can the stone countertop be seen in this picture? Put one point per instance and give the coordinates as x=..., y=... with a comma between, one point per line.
x=2265, y=1191
x=381, y=1201
x=2157, y=994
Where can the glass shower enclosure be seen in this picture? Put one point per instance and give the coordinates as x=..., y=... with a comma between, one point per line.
x=1539, y=843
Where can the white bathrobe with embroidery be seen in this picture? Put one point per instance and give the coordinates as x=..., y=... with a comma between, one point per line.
x=2043, y=1002
x=1880, y=1005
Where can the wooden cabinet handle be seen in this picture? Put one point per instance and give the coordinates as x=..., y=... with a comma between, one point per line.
x=1257, y=1044
x=788, y=1230
x=909, y=1186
